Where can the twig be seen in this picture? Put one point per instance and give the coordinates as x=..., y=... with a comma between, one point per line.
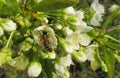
x=112, y=28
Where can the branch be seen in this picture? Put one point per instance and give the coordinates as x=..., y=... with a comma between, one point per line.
x=112, y=28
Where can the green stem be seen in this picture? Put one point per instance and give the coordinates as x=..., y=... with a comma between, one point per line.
x=10, y=38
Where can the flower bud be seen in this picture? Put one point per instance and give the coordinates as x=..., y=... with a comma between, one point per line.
x=66, y=75
x=18, y=64
x=26, y=44
x=38, y=1
x=1, y=32
x=67, y=31
x=8, y=25
x=58, y=26
x=113, y=8
x=70, y=10
x=51, y=55
x=67, y=47
x=94, y=65
x=5, y=55
x=34, y=69
x=46, y=20
x=43, y=55
x=79, y=56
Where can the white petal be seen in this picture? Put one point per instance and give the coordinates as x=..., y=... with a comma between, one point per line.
x=84, y=39
x=90, y=52
x=97, y=7
x=69, y=49
x=34, y=70
x=99, y=11
x=67, y=60
x=79, y=14
x=59, y=69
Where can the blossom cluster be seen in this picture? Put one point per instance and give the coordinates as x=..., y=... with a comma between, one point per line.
x=52, y=40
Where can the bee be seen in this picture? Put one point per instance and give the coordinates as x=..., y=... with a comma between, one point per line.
x=45, y=41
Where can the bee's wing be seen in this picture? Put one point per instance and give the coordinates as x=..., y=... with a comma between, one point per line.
x=53, y=41
x=41, y=40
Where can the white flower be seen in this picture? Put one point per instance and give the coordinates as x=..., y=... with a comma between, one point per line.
x=62, y=64
x=90, y=52
x=34, y=69
x=113, y=8
x=38, y=36
x=9, y=25
x=82, y=26
x=85, y=54
x=99, y=11
x=1, y=32
x=70, y=10
x=74, y=40
x=84, y=39
x=66, y=61
x=59, y=69
x=97, y=7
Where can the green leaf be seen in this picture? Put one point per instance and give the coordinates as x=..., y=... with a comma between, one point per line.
x=114, y=46
x=48, y=66
x=110, y=18
x=98, y=58
x=93, y=33
x=117, y=57
x=112, y=38
x=52, y=5
x=30, y=3
x=109, y=60
x=10, y=8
